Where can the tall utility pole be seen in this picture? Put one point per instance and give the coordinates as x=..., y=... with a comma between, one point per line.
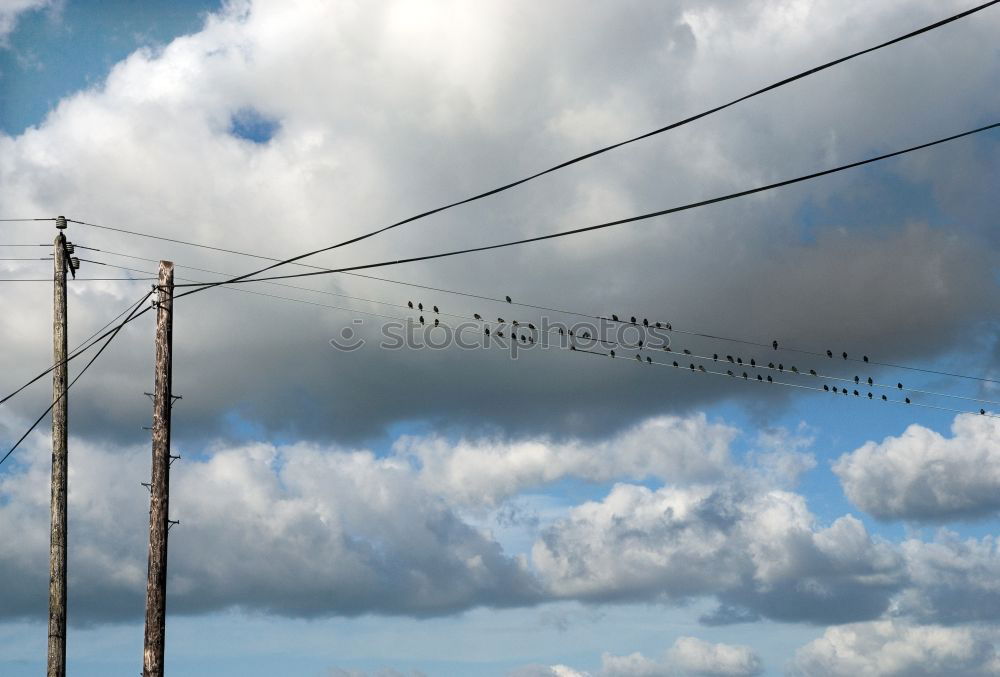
x=159, y=490
x=56, y=662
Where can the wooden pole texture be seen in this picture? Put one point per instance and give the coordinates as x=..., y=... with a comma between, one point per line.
x=56, y=661
x=159, y=495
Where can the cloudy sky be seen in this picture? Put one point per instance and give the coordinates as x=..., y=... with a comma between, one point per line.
x=445, y=509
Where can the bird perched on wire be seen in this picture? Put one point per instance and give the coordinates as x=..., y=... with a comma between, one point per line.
x=487, y=330
x=687, y=352
x=633, y=319
x=645, y=322
x=420, y=306
x=864, y=357
x=477, y=316
x=774, y=344
x=508, y=299
x=410, y=304
x=844, y=355
x=638, y=357
x=829, y=353
x=500, y=320
x=436, y=322
x=612, y=353
x=421, y=319
x=870, y=382
x=436, y=309
x=614, y=318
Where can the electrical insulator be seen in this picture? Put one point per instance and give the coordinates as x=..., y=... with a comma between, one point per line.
x=61, y=222
x=70, y=248
x=75, y=262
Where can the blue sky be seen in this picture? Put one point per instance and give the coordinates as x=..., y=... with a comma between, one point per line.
x=457, y=512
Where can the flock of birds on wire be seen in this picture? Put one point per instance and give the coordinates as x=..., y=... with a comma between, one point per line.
x=738, y=361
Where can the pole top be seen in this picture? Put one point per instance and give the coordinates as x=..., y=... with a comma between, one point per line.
x=61, y=222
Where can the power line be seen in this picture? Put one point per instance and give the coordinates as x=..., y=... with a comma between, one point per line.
x=611, y=343
x=584, y=229
x=666, y=128
x=701, y=334
x=82, y=372
x=612, y=319
x=49, y=218
x=80, y=350
x=26, y=259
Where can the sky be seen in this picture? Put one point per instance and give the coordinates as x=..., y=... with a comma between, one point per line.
x=360, y=495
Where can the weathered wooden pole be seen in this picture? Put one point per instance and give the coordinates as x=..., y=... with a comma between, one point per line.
x=56, y=662
x=159, y=491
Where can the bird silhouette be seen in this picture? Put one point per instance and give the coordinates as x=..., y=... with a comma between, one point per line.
x=744, y=376
x=774, y=344
x=657, y=325
x=508, y=299
x=812, y=372
x=640, y=343
x=826, y=388
x=410, y=304
x=633, y=319
x=701, y=367
x=739, y=361
x=531, y=339
x=855, y=393
x=675, y=363
x=870, y=380
x=586, y=334
x=436, y=322
x=829, y=353
x=421, y=319
x=691, y=366
x=769, y=379
x=729, y=371
x=795, y=369
x=730, y=358
x=645, y=322
x=572, y=347
x=982, y=411
x=500, y=320
x=524, y=339
x=420, y=306
x=612, y=353
x=869, y=396
x=759, y=377
x=514, y=322
x=499, y=333
x=864, y=357
x=885, y=399
x=770, y=365
x=669, y=327
x=856, y=379
x=436, y=309
x=907, y=400
x=638, y=357
x=531, y=326
x=649, y=360
x=781, y=367
x=715, y=356
x=844, y=355
x=477, y=316
x=562, y=332
x=687, y=352
x=899, y=385
x=487, y=330
x=614, y=317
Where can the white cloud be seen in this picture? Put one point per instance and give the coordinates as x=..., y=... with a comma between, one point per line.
x=11, y=9
x=922, y=475
x=688, y=657
x=673, y=449
x=897, y=649
x=759, y=551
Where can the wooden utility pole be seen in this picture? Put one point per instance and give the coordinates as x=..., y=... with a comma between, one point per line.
x=159, y=490
x=56, y=662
